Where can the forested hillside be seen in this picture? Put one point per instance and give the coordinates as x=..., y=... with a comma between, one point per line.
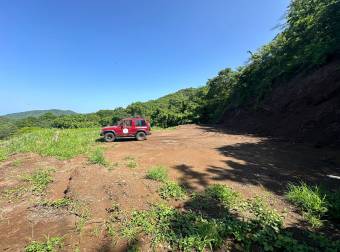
x=37, y=113
x=275, y=80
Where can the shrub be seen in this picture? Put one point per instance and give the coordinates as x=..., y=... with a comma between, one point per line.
x=158, y=173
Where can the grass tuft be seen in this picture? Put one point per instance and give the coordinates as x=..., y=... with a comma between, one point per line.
x=158, y=173
x=97, y=157
x=310, y=201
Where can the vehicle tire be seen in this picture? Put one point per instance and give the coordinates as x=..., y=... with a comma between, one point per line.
x=141, y=136
x=109, y=137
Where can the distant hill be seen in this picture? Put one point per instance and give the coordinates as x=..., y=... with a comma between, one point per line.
x=37, y=113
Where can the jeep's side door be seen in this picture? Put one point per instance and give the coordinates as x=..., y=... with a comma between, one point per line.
x=119, y=130
x=127, y=127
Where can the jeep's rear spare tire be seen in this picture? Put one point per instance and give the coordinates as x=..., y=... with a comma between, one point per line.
x=109, y=137
x=141, y=136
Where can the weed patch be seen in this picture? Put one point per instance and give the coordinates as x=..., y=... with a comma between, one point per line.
x=171, y=190
x=40, y=179
x=158, y=173
x=52, y=244
x=14, y=193
x=81, y=210
x=131, y=162
x=58, y=203
x=115, y=215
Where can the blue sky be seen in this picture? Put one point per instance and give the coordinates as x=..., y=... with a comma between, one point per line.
x=90, y=55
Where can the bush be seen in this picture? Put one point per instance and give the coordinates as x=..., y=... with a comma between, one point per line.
x=158, y=173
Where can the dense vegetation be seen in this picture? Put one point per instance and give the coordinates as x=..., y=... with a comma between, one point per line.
x=219, y=218
x=309, y=38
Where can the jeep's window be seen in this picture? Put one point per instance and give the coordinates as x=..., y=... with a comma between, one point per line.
x=140, y=123
x=127, y=123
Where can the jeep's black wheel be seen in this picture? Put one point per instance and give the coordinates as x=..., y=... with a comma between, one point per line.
x=109, y=137
x=140, y=136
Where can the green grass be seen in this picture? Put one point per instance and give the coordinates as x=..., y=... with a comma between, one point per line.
x=131, y=162
x=158, y=173
x=97, y=157
x=310, y=201
x=172, y=190
x=52, y=244
x=40, y=179
x=60, y=143
x=156, y=128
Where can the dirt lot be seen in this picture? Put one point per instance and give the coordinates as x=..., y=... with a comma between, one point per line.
x=196, y=157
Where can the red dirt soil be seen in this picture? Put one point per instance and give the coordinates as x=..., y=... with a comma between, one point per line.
x=197, y=156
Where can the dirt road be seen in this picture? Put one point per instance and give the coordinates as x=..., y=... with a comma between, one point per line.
x=196, y=157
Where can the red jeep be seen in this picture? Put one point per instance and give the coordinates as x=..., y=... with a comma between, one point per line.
x=137, y=127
